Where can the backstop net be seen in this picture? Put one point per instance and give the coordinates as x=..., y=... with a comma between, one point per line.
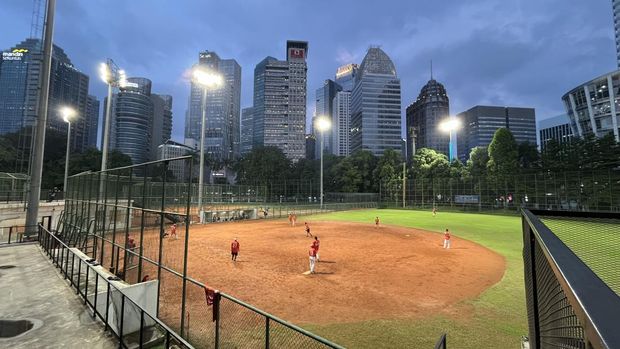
x=571, y=265
x=135, y=221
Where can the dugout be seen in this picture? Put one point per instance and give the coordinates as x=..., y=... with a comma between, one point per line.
x=214, y=216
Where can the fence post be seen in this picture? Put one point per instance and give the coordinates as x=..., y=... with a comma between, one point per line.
x=216, y=314
x=529, y=244
x=266, y=332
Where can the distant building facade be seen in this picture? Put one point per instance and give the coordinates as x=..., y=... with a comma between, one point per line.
x=92, y=118
x=375, y=105
x=423, y=118
x=341, y=125
x=280, y=94
x=478, y=126
x=616, y=13
x=161, y=127
x=170, y=150
x=131, y=122
x=341, y=110
x=222, y=127
x=555, y=129
x=20, y=68
x=324, y=105
x=310, y=146
x=247, y=130
x=593, y=107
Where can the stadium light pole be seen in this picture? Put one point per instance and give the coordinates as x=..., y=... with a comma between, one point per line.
x=451, y=125
x=323, y=124
x=38, y=150
x=113, y=77
x=67, y=114
x=207, y=79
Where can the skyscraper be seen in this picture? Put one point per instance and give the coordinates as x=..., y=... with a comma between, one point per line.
x=341, y=112
x=222, y=129
x=556, y=129
x=280, y=101
x=92, y=118
x=616, y=12
x=480, y=123
x=20, y=69
x=324, y=105
x=247, y=130
x=341, y=125
x=345, y=76
x=161, y=127
x=423, y=117
x=592, y=107
x=131, y=123
x=375, y=105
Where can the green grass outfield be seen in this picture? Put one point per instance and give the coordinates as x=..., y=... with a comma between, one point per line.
x=498, y=318
x=595, y=241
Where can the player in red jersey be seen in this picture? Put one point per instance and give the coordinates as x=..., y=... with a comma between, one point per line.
x=316, y=244
x=234, y=249
x=312, y=254
x=446, y=239
x=173, y=231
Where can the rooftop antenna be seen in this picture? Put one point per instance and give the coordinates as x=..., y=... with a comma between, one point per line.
x=431, y=69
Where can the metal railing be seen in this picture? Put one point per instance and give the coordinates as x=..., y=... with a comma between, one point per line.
x=127, y=321
x=16, y=234
x=568, y=305
x=441, y=343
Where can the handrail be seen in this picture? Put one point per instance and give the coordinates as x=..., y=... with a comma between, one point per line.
x=282, y=322
x=595, y=304
x=442, y=342
x=64, y=268
x=144, y=164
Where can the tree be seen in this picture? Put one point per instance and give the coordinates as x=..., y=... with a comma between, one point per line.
x=263, y=165
x=366, y=163
x=428, y=163
x=387, y=171
x=529, y=157
x=347, y=176
x=503, y=155
x=477, y=163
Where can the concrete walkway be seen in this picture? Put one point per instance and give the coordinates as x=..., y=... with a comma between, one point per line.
x=34, y=289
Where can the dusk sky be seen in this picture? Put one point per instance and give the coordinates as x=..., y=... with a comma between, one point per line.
x=512, y=52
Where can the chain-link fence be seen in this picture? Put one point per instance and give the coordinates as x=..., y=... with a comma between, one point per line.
x=135, y=221
x=595, y=240
x=572, y=191
x=568, y=305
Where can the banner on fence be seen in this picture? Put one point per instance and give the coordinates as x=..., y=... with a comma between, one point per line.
x=467, y=199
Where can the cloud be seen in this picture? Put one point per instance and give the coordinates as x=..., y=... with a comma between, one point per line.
x=519, y=52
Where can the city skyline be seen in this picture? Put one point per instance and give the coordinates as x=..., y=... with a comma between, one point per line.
x=482, y=50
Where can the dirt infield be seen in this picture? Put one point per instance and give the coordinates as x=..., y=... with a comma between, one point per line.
x=364, y=273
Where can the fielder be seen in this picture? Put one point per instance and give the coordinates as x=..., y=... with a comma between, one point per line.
x=294, y=218
x=312, y=254
x=434, y=211
x=446, y=239
x=173, y=231
x=234, y=250
x=308, y=230
x=377, y=222
x=316, y=244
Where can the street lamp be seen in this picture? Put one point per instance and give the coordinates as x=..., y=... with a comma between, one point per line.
x=207, y=79
x=113, y=77
x=67, y=113
x=451, y=125
x=323, y=124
